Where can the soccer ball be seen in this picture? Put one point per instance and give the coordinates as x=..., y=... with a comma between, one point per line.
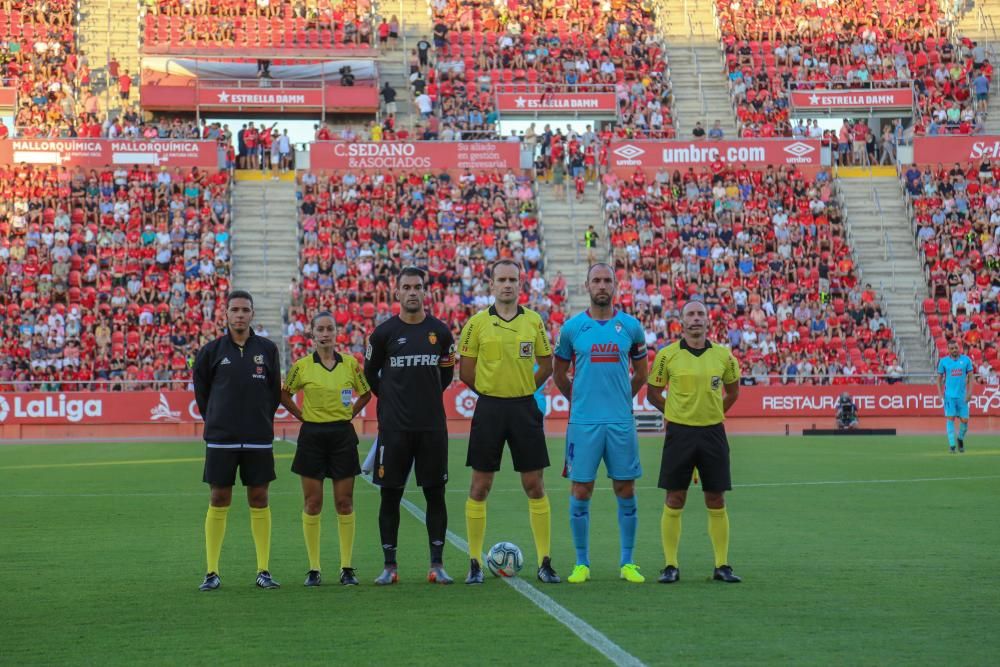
x=504, y=559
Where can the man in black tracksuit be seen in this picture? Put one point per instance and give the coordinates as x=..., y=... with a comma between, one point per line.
x=237, y=385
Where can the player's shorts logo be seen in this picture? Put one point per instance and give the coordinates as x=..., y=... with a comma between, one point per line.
x=258, y=359
x=432, y=338
x=716, y=382
x=527, y=349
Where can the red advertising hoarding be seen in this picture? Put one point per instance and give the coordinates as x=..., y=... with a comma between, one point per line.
x=626, y=156
x=106, y=152
x=952, y=149
x=888, y=98
x=773, y=402
x=556, y=102
x=236, y=98
x=8, y=98
x=421, y=155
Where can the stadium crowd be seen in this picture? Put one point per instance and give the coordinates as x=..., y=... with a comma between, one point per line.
x=766, y=250
x=358, y=229
x=956, y=213
x=777, y=45
x=481, y=49
x=318, y=24
x=38, y=56
x=109, y=274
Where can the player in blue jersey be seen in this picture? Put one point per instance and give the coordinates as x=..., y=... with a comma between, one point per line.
x=955, y=387
x=602, y=344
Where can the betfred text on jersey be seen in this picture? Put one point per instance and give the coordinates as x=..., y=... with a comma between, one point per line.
x=406, y=360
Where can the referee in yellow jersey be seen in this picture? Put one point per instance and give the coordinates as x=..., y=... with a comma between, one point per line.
x=703, y=382
x=327, y=443
x=499, y=348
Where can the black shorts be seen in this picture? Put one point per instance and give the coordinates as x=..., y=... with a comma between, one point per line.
x=398, y=451
x=688, y=447
x=327, y=450
x=516, y=421
x=255, y=463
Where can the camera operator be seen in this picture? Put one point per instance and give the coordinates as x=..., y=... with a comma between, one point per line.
x=847, y=413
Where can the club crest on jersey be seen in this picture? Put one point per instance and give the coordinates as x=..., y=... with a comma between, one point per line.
x=527, y=349
x=618, y=327
x=432, y=338
x=258, y=359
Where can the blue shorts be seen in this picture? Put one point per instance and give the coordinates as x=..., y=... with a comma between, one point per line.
x=956, y=407
x=588, y=444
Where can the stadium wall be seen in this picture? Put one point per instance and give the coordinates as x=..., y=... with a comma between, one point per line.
x=765, y=410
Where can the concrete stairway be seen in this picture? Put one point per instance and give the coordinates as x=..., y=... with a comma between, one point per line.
x=393, y=64
x=886, y=256
x=564, y=220
x=111, y=27
x=265, y=248
x=692, y=46
x=986, y=34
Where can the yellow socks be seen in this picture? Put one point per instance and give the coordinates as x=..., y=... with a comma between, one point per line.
x=718, y=530
x=215, y=533
x=311, y=531
x=475, y=526
x=260, y=526
x=670, y=533
x=540, y=515
x=345, y=527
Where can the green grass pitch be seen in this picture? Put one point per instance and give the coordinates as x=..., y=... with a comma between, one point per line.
x=873, y=551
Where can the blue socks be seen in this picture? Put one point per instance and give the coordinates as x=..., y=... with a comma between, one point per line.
x=627, y=521
x=579, y=525
x=951, y=433
x=962, y=430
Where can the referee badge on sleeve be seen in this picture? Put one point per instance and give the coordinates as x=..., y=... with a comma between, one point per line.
x=716, y=382
x=527, y=349
x=345, y=397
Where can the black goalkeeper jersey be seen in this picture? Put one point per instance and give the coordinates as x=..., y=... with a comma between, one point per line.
x=403, y=365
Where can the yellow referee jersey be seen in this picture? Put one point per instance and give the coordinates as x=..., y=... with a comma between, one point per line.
x=327, y=393
x=694, y=380
x=505, y=351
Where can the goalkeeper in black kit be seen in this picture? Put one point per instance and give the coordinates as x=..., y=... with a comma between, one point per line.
x=409, y=362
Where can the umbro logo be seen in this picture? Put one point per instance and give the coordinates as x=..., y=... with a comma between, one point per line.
x=225, y=360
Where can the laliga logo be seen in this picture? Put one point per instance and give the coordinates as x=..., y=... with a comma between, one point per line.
x=465, y=403
x=630, y=152
x=162, y=411
x=798, y=149
x=4, y=409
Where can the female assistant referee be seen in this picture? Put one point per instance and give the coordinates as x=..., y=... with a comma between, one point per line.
x=327, y=445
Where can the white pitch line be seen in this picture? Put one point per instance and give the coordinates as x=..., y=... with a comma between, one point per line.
x=586, y=632
x=171, y=494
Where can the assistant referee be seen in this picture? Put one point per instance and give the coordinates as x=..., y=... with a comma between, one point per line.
x=237, y=385
x=334, y=390
x=499, y=348
x=703, y=381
